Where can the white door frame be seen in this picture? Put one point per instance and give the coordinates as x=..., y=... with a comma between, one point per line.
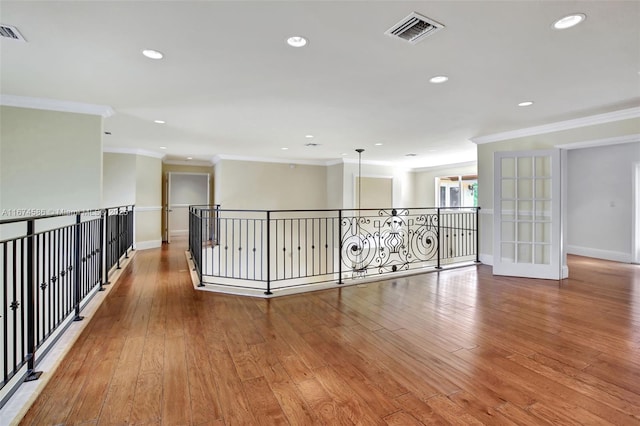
x=168, y=208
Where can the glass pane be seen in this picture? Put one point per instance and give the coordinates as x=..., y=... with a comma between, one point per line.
x=508, y=253
x=508, y=189
x=525, y=168
x=543, y=188
x=508, y=231
x=525, y=254
x=525, y=210
x=543, y=210
x=508, y=210
x=443, y=196
x=454, y=196
x=525, y=232
x=543, y=166
x=543, y=233
x=542, y=254
x=525, y=188
x=508, y=167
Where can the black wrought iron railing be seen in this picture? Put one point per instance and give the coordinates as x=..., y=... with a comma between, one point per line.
x=50, y=266
x=270, y=250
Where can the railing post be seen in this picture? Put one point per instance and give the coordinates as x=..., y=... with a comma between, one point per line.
x=438, y=238
x=477, y=234
x=101, y=250
x=31, y=305
x=340, y=246
x=268, y=292
x=78, y=275
x=106, y=247
x=118, y=242
x=126, y=228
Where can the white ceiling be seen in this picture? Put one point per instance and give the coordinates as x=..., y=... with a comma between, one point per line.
x=230, y=85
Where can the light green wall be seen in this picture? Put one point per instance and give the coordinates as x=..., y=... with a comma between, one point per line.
x=402, y=183
x=270, y=186
x=334, y=186
x=148, y=201
x=119, y=176
x=50, y=160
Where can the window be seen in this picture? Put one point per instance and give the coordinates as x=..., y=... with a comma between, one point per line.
x=457, y=191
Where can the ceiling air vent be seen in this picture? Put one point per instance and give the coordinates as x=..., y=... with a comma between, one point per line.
x=7, y=31
x=414, y=28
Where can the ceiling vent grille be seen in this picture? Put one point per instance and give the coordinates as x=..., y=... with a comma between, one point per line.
x=414, y=28
x=7, y=31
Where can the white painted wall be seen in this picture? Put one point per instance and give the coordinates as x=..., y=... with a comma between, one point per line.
x=600, y=210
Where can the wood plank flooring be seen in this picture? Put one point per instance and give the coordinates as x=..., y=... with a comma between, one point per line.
x=460, y=347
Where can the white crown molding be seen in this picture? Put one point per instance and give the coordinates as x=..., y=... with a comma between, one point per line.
x=445, y=166
x=132, y=151
x=198, y=163
x=609, y=117
x=602, y=142
x=219, y=157
x=56, y=105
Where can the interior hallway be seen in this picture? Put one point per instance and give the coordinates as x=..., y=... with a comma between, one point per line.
x=459, y=347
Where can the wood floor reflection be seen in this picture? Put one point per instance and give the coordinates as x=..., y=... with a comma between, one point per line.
x=459, y=347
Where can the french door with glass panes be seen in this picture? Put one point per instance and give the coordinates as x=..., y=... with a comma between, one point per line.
x=527, y=222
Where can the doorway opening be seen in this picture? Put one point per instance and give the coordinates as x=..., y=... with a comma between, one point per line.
x=182, y=191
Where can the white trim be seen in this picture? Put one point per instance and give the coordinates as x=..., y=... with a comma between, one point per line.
x=148, y=208
x=56, y=105
x=485, y=211
x=445, y=166
x=486, y=259
x=132, y=151
x=219, y=157
x=179, y=206
x=609, y=117
x=615, y=256
x=196, y=163
x=146, y=245
x=601, y=142
x=179, y=232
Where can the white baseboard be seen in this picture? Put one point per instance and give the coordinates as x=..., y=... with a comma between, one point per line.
x=144, y=245
x=486, y=259
x=616, y=256
x=179, y=232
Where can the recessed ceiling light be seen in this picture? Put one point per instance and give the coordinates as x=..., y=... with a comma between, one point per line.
x=378, y=144
x=296, y=41
x=189, y=158
x=439, y=79
x=344, y=153
x=159, y=121
x=525, y=103
x=152, y=54
x=284, y=148
x=569, y=21
x=163, y=147
x=308, y=136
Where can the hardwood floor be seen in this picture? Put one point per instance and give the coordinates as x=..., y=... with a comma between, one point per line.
x=461, y=347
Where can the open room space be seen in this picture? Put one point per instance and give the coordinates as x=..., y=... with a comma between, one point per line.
x=220, y=212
